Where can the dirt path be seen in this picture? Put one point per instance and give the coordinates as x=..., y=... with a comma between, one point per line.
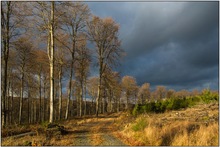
x=81, y=132
x=98, y=132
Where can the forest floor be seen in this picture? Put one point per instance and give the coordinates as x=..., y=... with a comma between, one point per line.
x=192, y=126
x=80, y=132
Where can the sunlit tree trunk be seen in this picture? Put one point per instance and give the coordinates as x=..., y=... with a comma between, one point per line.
x=98, y=97
x=52, y=63
x=100, y=82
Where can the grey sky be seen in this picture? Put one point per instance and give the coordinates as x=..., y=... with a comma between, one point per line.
x=167, y=43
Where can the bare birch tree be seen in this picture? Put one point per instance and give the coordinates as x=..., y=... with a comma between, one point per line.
x=104, y=33
x=24, y=57
x=11, y=21
x=46, y=24
x=61, y=63
x=144, y=93
x=113, y=88
x=51, y=60
x=82, y=68
x=92, y=91
x=129, y=87
x=74, y=19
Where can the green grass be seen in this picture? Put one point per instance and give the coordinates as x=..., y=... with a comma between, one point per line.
x=139, y=125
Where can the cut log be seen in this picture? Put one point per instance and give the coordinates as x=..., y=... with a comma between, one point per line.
x=21, y=135
x=24, y=134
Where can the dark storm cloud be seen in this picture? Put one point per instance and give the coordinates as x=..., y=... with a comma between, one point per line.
x=169, y=43
x=160, y=23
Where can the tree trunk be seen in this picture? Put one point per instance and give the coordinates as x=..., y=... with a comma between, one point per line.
x=118, y=104
x=85, y=96
x=110, y=97
x=39, y=95
x=103, y=102
x=21, y=97
x=8, y=101
x=5, y=59
x=126, y=106
x=32, y=110
x=71, y=73
x=77, y=104
x=92, y=107
x=12, y=97
x=51, y=63
x=44, y=102
x=35, y=111
x=81, y=98
x=29, y=105
x=69, y=91
x=60, y=94
x=99, y=85
x=97, y=99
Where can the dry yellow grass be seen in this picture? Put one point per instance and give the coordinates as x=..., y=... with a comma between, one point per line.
x=177, y=134
x=196, y=126
x=39, y=140
x=204, y=136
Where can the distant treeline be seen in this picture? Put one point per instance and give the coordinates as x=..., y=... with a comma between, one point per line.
x=176, y=103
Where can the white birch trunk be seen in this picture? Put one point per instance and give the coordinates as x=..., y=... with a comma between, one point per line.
x=52, y=63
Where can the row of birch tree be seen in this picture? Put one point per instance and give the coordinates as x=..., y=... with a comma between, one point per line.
x=48, y=50
x=45, y=52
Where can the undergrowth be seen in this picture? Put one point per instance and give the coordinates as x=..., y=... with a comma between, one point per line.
x=139, y=125
x=161, y=106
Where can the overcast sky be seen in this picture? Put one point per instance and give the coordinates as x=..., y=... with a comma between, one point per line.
x=174, y=44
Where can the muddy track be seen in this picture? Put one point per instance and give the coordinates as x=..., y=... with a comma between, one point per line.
x=98, y=133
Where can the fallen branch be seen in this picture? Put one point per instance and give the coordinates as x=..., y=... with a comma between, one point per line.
x=21, y=135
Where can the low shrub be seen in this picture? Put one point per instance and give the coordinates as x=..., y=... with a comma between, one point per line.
x=44, y=124
x=207, y=96
x=135, y=111
x=180, y=103
x=139, y=125
x=175, y=103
